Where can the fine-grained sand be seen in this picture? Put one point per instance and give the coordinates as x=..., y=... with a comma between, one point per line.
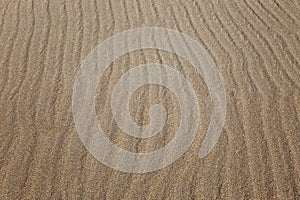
x=256, y=48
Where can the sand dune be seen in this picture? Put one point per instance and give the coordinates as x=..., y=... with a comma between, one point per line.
x=255, y=46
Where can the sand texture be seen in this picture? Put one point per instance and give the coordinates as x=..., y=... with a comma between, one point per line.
x=255, y=45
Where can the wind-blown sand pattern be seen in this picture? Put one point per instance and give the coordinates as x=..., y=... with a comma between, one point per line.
x=255, y=46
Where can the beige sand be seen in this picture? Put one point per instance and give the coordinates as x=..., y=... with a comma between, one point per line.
x=256, y=47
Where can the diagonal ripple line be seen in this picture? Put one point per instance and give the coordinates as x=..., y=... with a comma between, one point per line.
x=94, y=65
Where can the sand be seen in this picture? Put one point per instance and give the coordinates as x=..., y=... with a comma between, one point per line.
x=255, y=46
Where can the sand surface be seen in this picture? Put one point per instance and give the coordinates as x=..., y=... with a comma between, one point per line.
x=255, y=46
